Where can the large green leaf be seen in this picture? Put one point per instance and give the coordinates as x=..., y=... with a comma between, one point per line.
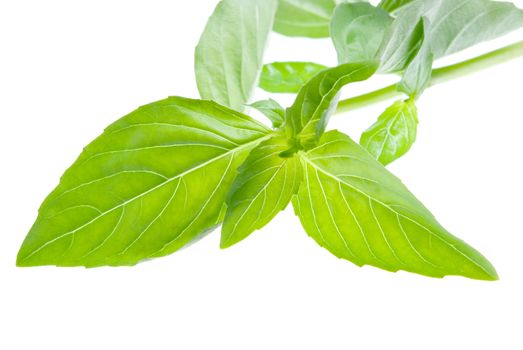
x=228, y=58
x=306, y=18
x=455, y=25
x=393, y=134
x=264, y=186
x=459, y=24
x=307, y=118
x=288, y=76
x=351, y=205
x=357, y=31
x=152, y=182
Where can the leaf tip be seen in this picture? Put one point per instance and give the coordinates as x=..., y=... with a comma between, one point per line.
x=481, y=269
x=488, y=273
x=22, y=259
x=226, y=242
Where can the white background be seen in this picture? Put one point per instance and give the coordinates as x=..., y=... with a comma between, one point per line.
x=69, y=68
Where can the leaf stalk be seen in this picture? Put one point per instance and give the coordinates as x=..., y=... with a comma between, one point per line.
x=439, y=75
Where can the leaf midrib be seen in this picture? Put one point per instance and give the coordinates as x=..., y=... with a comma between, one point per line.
x=321, y=108
x=329, y=174
x=169, y=180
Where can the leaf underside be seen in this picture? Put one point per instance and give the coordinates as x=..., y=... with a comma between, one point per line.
x=417, y=75
x=228, y=58
x=358, y=30
x=454, y=26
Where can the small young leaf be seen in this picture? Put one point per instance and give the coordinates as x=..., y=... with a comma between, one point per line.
x=419, y=71
x=305, y=18
x=307, y=118
x=264, y=186
x=352, y=206
x=288, y=76
x=358, y=30
x=272, y=110
x=228, y=58
x=404, y=38
x=394, y=132
x=151, y=183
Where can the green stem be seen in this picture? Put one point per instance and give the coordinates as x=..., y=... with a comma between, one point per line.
x=439, y=75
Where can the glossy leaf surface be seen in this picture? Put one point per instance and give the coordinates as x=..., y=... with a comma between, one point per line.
x=307, y=118
x=229, y=55
x=393, y=133
x=264, y=186
x=288, y=76
x=352, y=206
x=152, y=182
x=305, y=18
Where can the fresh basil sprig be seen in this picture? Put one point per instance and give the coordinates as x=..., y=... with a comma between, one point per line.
x=173, y=170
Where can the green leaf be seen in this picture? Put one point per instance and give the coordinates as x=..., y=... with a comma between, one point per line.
x=393, y=134
x=404, y=38
x=460, y=24
x=228, y=58
x=419, y=71
x=305, y=18
x=358, y=30
x=351, y=205
x=307, y=118
x=288, y=76
x=392, y=5
x=264, y=186
x=152, y=182
x=272, y=110
x=455, y=25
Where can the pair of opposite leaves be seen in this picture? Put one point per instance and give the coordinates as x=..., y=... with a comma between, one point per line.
x=171, y=171
x=158, y=196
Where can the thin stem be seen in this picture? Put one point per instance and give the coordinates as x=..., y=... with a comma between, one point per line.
x=439, y=75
